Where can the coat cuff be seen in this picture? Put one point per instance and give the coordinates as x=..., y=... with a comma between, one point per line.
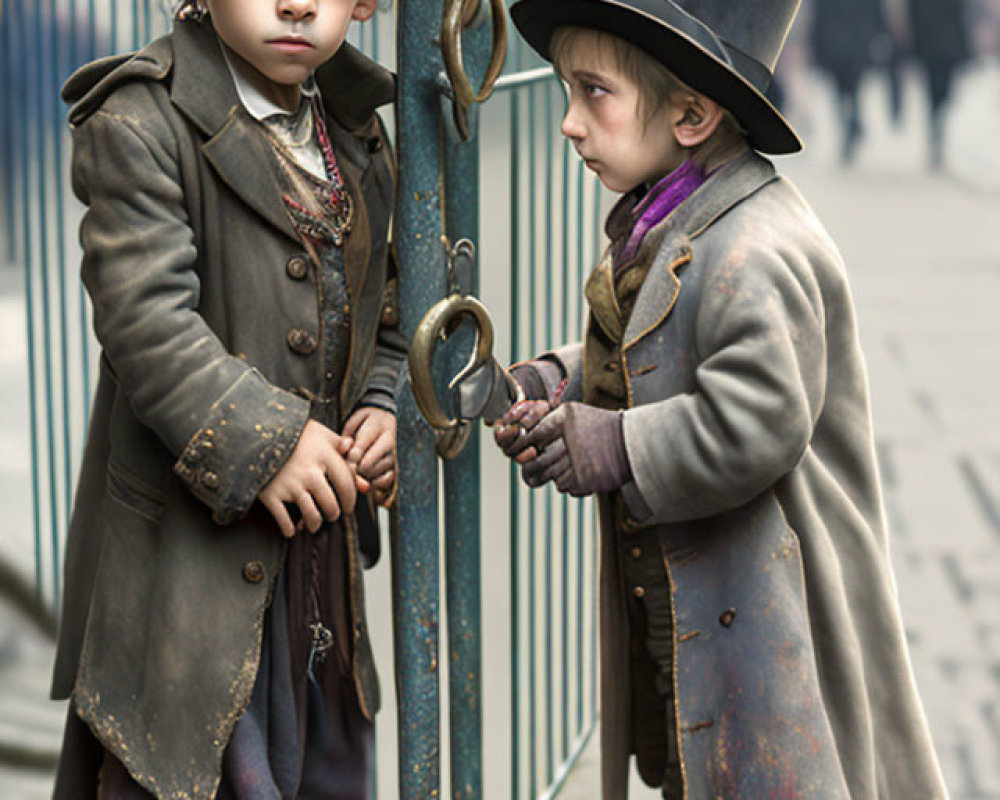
x=248, y=434
x=377, y=398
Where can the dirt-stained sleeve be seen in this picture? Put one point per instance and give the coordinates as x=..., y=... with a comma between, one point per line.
x=759, y=389
x=229, y=427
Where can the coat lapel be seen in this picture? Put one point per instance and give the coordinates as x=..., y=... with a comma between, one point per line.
x=245, y=164
x=734, y=181
x=204, y=91
x=353, y=162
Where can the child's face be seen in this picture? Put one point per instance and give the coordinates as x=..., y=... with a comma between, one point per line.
x=285, y=40
x=603, y=122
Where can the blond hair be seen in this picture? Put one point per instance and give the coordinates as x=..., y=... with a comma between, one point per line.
x=657, y=86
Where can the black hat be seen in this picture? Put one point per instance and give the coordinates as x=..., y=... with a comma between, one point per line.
x=725, y=49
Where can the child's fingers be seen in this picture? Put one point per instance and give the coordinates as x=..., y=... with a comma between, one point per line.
x=281, y=516
x=345, y=444
x=342, y=478
x=363, y=441
x=515, y=442
x=536, y=411
x=311, y=515
x=526, y=455
x=383, y=448
x=362, y=484
x=385, y=481
x=325, y=498
x=515, y=412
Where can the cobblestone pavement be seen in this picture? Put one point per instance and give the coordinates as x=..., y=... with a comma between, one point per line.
x=923, y=251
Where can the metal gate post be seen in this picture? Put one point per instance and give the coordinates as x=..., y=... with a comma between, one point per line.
x=462, y=478
x=438, y=194
x=415, y=556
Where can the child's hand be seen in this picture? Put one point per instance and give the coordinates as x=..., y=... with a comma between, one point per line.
x=305, y=480
x=373, y=454
x=510, y=430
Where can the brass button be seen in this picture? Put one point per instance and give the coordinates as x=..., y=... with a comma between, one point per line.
x=726, y=617
x=209, y=480
x=297, y=267
x=638, y=591
x=636, y=552
x=301, y=341
x=254, y=571
x=193, y=455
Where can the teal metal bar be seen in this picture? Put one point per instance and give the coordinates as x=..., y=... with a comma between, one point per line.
x=59, y=71
x=415, y=557
x=532, y=351
x=113, y=34
x=42, y=57
x=83, y=304
x=462, y=474
x=10, y=93
x=580, y=272
x=550, y=757
x=564, y=567
x=19, y=23
x=513, y=482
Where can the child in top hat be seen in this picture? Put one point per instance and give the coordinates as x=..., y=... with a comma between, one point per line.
x=751, y=643
x=239, y=189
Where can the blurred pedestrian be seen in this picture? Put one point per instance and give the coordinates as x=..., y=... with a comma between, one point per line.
x=848, y=38
x=940, y=44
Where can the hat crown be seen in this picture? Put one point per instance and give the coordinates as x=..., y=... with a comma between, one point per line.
x=725, y=49
x=758, y=28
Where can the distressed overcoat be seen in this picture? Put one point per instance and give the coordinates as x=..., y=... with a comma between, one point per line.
x=207, y=310
x=749, y=435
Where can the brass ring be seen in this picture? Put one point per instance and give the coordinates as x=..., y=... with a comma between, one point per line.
x=428, y=333
x=451, y=50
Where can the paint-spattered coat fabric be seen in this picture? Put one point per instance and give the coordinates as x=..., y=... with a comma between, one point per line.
x=202, y=307
x=749, y=435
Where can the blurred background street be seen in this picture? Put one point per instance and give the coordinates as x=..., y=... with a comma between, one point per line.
x=913, y=200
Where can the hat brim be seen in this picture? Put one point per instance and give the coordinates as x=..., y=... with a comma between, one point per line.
x=767, y=130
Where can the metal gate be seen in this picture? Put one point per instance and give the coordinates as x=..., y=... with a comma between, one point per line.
x=524, y=682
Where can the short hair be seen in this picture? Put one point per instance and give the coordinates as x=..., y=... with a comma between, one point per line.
x=656, y=84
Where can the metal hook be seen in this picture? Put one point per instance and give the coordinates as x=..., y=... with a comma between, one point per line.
x=462, y=93
x=442, y=317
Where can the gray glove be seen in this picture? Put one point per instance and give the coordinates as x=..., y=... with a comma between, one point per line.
x=580, y=447
x=489, y=392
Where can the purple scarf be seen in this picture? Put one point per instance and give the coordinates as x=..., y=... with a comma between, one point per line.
x=665, y=195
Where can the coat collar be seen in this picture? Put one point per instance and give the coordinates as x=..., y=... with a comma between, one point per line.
x=202, y=89
x=353, y=86
x=669, y=242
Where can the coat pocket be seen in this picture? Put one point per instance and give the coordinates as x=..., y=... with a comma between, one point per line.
x=134, y=494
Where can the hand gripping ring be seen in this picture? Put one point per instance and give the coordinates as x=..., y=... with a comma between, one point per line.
x=429, y=332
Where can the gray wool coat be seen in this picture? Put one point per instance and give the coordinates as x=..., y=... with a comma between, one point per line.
x=749, y=435
x=208, y=317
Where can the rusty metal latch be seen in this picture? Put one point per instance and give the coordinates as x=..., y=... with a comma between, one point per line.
x=441, y=319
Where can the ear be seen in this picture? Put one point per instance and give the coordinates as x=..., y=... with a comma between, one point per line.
x=363, y=10
x=699, y=117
